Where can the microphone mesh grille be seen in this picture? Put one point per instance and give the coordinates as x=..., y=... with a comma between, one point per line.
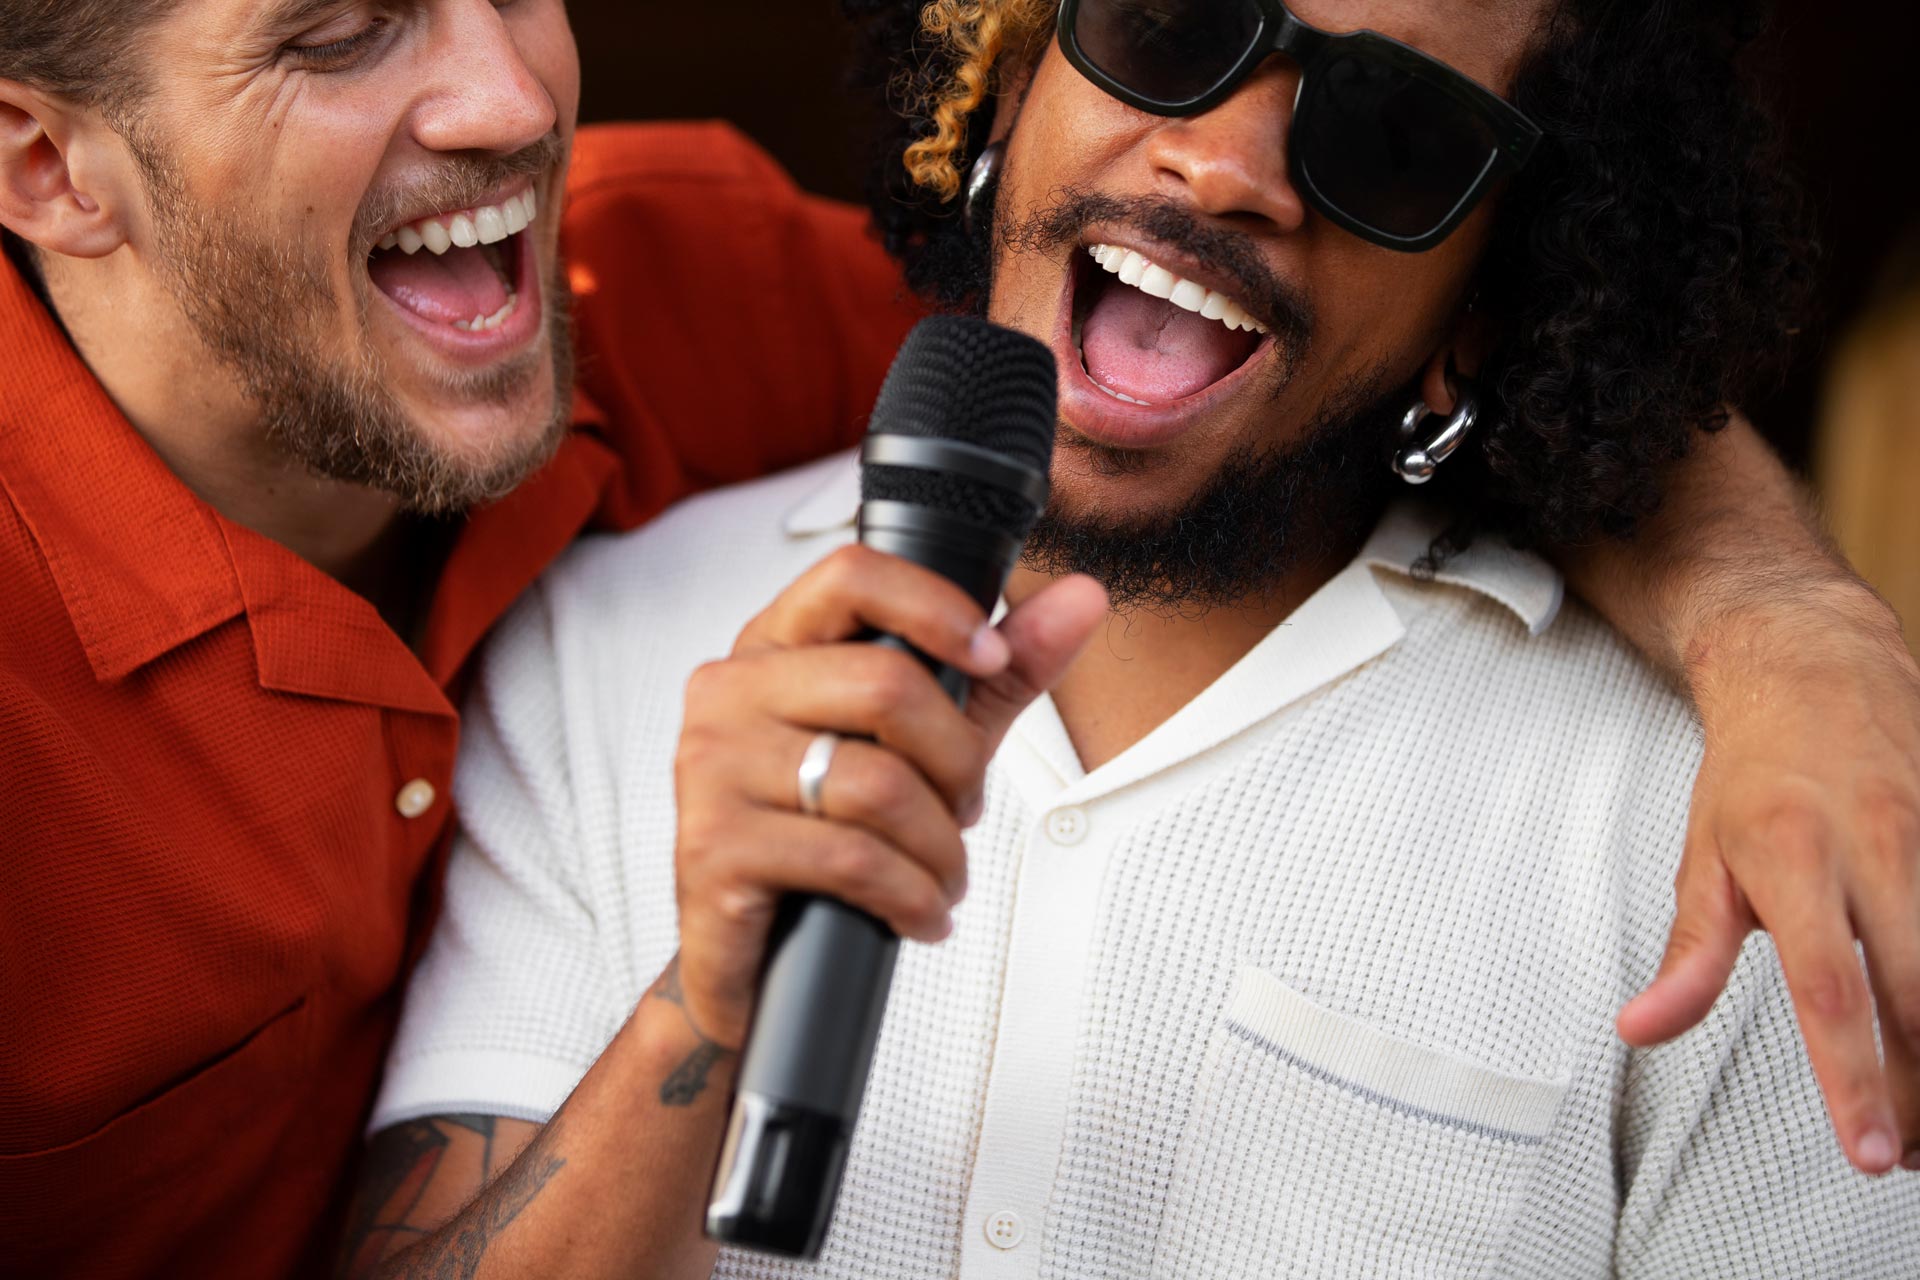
x=961, y=378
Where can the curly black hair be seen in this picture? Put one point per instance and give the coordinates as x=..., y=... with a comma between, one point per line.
x=1648, y=268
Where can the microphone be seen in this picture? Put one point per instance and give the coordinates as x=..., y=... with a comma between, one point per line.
x=953, y=475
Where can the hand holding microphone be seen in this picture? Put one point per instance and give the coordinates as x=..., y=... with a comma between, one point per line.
x=883, y=855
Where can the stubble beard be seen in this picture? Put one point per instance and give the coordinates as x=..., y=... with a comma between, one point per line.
x=261, y=308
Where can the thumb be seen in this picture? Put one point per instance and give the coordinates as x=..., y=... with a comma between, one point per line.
x=1710, y=922
x=1044, y=635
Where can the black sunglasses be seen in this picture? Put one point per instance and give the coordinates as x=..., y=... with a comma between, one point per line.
x=1392, y=145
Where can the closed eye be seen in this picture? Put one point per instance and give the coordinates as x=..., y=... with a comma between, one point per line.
x=337, y=55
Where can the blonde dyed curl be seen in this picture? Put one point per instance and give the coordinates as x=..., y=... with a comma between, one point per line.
x=974, y=34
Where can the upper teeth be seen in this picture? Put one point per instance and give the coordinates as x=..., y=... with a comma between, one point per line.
x=1149, y=277
x=488, y=225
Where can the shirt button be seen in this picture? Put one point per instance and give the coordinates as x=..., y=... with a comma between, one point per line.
x=1067, y=826
x=1005, y=1230
x=415, y=798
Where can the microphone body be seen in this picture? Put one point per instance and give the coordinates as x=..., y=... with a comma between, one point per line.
x=823, y=992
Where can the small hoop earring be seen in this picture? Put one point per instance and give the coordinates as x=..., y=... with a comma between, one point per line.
x=981, y=179
x=1415, y=461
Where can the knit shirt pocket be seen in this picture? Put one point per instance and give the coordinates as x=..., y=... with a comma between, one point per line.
x=1321, y=1146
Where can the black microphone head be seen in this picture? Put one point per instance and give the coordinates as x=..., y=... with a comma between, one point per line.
x=965, y=380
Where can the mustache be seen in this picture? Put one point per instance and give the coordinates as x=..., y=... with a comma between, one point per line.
x=1231, y=254
x=457, y=182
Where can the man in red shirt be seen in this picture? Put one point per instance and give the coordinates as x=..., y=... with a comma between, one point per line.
x=288, y=420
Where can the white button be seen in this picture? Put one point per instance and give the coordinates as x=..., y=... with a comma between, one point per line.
x=1005, y=1230
x=415, y=798
x=1067, y=826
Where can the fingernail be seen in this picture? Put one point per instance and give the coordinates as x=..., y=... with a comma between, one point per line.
x=987, y=650
x=1877, y=1150
x=946, y=927
x=973, y=811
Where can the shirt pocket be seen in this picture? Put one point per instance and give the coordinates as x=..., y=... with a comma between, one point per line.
x=137, y=1186
x=1320, y=1146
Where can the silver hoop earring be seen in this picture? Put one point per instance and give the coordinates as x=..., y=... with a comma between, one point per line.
x=1415, y=460
x=982, y=178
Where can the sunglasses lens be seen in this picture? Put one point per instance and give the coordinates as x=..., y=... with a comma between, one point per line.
x=1386, y=147
x=1168, y=51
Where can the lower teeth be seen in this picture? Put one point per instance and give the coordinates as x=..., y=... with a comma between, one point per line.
x=482, y=323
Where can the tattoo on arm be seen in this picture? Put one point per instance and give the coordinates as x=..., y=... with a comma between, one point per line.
x=687, y=1081
x=394, y=1210
x=462, y=1246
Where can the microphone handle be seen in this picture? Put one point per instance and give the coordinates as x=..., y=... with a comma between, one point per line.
x=824, y=990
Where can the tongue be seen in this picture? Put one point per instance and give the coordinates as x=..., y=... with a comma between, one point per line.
x=460, y=284
x=1147, y=348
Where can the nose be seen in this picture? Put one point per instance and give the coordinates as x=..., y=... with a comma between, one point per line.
x=1232, y=161
x=482, y=95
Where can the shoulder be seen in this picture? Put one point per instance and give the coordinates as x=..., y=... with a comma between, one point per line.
x=1564, y=748
x=676, y=591
x=1573, y=704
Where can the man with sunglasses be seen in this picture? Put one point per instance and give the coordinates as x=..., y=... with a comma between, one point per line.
x=1297, y=905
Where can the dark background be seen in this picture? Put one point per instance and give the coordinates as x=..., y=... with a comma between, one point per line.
x=1843, y=75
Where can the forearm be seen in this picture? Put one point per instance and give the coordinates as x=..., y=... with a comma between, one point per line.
x=616, y=1184
x=1734, y=534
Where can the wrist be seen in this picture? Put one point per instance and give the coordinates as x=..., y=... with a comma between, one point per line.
x=1787, y=627
x=681, y=1065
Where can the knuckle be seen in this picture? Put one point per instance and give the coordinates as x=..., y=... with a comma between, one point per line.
x=846, y=569
x=698, y=748
x=883, y=791
x=851, y=863
x=1891, y=824
x=700, y=834
x=1796, y=830
x=893, y=685
x=708, y=683
x=922, y=913
x=739, y=906
x=1831, y=993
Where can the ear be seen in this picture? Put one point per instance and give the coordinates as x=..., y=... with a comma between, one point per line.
x=1462, y=354
x=43, y=200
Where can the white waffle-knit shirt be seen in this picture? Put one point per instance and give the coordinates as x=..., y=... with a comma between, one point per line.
x=1316, y=980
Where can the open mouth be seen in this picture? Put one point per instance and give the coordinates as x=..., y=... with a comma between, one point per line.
x=464, y=271
x=1150, y=337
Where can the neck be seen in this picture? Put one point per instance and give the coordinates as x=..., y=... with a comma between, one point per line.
x=1147, y=664
x=175, y=392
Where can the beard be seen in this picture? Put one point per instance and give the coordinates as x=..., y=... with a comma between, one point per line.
x=261, y=307
x=1268, y=510
x=1265, y=513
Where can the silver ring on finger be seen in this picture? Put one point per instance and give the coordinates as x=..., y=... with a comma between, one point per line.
x=813, y=771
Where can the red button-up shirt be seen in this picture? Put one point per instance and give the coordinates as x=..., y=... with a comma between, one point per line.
x=224, y=779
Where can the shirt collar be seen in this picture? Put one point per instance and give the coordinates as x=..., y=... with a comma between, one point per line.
x=1530, y=588
x=1348, y=622
x=138, y=559
x=1525, y=584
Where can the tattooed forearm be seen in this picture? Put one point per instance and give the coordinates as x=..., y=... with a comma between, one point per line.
x=416, y=1175
x=687, y=1081
x=397, y=1168
x=459, y=1249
